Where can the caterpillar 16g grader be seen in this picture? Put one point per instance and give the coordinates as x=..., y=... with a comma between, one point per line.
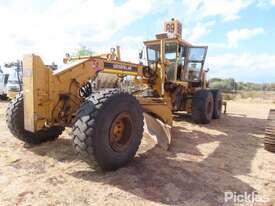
x=105, y=100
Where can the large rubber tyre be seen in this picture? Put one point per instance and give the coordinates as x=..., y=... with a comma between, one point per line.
x=202, y=107
x=269, y=147
x=93, y=128
x=217, y=97
x=15, y=123
x=269, y=141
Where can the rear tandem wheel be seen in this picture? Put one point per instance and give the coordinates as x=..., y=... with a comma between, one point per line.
x=217, y=97
x=15, y=123
x=202, y=107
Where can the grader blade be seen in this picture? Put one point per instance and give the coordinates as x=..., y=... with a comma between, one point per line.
x=157, y=130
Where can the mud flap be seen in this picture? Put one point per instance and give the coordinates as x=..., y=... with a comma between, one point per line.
x=157, y=130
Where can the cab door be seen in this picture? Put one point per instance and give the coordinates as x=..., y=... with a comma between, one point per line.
x=171, y=56
x=194, y=63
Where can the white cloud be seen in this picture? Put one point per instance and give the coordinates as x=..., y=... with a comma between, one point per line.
x=235, y=36
x=51, y=30
x=227, y=9
x=199, y=30
x=243, y=66
x=198, y=12
x=63, y=25
x=129, y=47
x=265, y=3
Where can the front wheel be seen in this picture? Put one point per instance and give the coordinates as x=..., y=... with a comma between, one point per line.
x=15, y=123
x=108, y=128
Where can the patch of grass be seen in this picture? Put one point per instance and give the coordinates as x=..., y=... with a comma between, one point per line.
x=251, y=95
x=228, y=96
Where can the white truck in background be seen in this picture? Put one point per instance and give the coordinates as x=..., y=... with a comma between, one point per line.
x=3, y=86
x=14, y=84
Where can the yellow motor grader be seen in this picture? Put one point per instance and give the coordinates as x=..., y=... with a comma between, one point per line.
x=109, y=103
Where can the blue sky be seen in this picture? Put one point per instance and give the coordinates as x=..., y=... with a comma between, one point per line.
x=240, y=33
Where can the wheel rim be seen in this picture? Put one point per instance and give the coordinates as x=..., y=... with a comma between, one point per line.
x=120, y=134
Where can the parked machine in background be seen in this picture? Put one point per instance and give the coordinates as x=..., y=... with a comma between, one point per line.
x=15, y=83
x=3, y=86
x=108, y=119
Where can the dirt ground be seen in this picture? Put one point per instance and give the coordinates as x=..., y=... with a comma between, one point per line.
x=202, y=163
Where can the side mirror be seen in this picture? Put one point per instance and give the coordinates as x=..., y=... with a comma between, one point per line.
x=140, y=54
x=207, y=70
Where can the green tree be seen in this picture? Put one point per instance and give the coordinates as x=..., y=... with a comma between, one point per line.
x=83, y=51
x=226, y=85
x=229, y=85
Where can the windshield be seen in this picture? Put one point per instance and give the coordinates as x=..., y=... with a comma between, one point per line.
x=197, y=54
x=171, y=51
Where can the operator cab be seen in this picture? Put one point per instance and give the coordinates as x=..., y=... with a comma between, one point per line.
x=183, y=61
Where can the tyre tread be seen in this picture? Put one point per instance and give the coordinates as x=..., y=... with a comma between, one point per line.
x=15, y=111
x=83, y=130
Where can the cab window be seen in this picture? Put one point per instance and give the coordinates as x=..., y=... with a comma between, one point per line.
x=153, y=55
x=180, y=69
x=153, y=52
x=171, y=49
x=194, y=63
x=194, y=70
x=197, y=54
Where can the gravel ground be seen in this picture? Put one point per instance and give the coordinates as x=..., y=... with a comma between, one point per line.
x=202, y=163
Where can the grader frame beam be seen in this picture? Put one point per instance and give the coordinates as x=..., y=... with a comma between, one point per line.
x=52, y=97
